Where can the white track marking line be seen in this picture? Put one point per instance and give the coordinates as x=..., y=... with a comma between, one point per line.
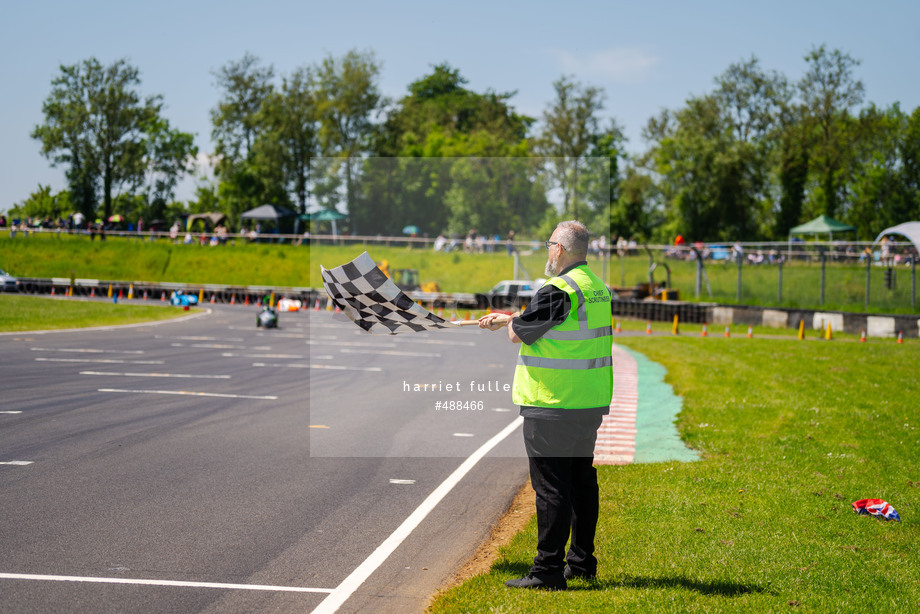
x=17, y=463
x=449, y=331
x=391, y=353
x=354, y=344
x=190, y=393
x=236, y=355
x=356, y=578
x=181, y=338
x=180, y=375
x=10, y=411
x=295, y=365
x=111, y=361
x=221, y=346
x=439, y=342
x=87, y=350
x=285, y=335
x=139, y=581
x=401, y=481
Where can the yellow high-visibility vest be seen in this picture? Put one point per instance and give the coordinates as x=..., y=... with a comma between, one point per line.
x=570, y=367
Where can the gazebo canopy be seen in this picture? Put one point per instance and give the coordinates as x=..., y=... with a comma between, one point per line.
x=821, y=225
x=267, y=212
x=323, y=215
x=911, y=230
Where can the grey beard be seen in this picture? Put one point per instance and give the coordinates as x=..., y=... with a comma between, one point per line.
x=550, y=270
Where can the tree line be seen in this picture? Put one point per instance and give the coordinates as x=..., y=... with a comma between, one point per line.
x=750, y=159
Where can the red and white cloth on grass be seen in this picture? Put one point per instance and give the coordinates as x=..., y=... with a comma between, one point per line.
x=875, y=507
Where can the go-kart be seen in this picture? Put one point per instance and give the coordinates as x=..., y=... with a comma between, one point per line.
x=180, y=299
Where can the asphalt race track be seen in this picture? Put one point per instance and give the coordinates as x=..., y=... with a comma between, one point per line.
x=207, y=465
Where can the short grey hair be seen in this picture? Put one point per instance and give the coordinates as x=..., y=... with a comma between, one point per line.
x=573, y=235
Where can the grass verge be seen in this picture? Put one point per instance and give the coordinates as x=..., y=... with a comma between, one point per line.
x=24, y=313
x=791, y=434
x=269, y=264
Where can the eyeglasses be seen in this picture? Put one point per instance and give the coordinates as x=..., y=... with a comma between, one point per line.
x=549, y=243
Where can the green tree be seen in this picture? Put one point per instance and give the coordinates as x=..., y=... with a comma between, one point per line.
x=880, y=196
x=600, y=178
x=635, y=212
x=829, y=90
x=438, y=125
x=569, y=128
x=347, y=96
x=236, y=126
x=791, y=171
x=289, y=139
x=712, y=156
x=43, y=204
x=94, y=123
x=170, y=156
x=910, y=164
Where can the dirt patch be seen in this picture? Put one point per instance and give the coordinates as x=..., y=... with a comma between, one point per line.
x=514, y=519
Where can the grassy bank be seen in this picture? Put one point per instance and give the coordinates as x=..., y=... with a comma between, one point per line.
x=791, y=434
x=298, y=266
x=24, y=313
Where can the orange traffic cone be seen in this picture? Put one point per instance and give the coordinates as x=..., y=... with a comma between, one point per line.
x=862, y=336
x=233, y=299
x=728, y=331
x=246, y=302
x=145, y=295
x=52, y=290
x=120, y=293
x=704, y=332
x=900, y=337
x=92, y=292
x=316, y=305
x=648, y=328
x=619, y=328
x=750, y=331
x=212, y=299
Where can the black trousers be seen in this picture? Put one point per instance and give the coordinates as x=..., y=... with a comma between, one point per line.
x=561, y=456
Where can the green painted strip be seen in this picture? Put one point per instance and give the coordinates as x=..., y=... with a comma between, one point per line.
x=657, y=439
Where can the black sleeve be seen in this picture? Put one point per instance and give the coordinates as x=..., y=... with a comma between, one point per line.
x=549, y=308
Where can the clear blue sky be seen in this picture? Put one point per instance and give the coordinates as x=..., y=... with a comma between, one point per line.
x=645, y=55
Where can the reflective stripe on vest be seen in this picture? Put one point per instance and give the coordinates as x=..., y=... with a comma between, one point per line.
x=580, y=335
x=565, y=363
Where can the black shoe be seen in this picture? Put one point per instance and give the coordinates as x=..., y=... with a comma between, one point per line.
x=570, y=573
x=532, y=581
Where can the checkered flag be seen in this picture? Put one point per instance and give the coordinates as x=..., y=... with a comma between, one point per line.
x=373, y=302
